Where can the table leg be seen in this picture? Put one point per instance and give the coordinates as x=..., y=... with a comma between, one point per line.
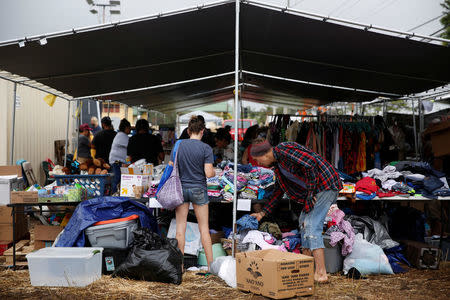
x=14, y=236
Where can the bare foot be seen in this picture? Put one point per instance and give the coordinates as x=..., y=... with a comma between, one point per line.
x=320, y=278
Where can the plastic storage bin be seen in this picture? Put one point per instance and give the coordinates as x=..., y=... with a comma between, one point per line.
x=65, y=266
x=333, y=256
x=114, y=234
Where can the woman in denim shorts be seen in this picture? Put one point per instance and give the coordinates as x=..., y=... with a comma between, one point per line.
x=195, y=163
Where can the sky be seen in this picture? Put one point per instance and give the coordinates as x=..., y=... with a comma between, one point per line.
x=21, y=18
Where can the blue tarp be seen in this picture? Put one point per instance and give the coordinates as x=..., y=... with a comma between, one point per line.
x=101, y=209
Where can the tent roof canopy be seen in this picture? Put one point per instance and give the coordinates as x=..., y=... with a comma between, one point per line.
x=188, y=59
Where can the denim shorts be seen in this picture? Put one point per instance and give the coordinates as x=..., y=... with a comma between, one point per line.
x=311, y=224
x=197, y=196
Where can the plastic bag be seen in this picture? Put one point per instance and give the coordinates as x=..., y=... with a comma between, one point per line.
x=152, y=258
x=367, y=258
x=225, y=268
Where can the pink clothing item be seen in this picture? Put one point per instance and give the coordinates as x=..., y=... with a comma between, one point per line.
x=337, y=216
x=286, y=234
x=347, y=234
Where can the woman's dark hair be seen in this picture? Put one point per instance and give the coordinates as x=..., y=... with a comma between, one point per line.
x=223, y=134
x=249, y=135
x=196, y=125
x=200, y=117
x=124, y=124
x=142, y=124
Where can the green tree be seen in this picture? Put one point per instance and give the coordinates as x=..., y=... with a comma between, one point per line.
x=445, y=20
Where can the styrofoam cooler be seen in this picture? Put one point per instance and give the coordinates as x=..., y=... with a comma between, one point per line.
x=65, y=266
x=113, y=234
x=333, y=256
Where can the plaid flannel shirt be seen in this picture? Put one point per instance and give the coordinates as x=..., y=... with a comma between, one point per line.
x=307, y=166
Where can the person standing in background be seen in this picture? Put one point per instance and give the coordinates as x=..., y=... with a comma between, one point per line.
x=84, y=144
x=145, y=145
x=118, y=154
x=103, y=140
x=94, y=125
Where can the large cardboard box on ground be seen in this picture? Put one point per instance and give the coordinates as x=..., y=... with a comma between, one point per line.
x=192, y=236
x=421, y=255
x=45, y=235
x=129, y=183
x=275, y=274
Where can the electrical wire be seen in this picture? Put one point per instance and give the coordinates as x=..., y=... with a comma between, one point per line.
x=383, y=7
x=339, y=7
x=427, y=22
x=348, y=8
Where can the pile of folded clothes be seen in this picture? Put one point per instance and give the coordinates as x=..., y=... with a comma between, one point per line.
x=252, y=183
x=404, y=178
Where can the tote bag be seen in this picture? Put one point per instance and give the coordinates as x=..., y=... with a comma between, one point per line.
x=171, y=194
x=168, y=170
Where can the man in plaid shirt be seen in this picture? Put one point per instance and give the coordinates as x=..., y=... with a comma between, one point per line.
x=308, y=179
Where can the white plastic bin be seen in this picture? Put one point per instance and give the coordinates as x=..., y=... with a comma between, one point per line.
x=65, y=266
x=115, y=234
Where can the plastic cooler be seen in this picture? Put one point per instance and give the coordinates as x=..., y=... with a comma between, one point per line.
x=65, y=266
x=114, y=234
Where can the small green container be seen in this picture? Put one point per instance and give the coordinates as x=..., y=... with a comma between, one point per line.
x=217, y=252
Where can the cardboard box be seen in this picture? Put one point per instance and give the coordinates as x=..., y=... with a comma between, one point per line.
x=275, y=274
x=192, y=237
x=6, y=231
x=24, y=197
x=11, y=170
x=6, y=215
x=46, y=233
x=9, y=183
x=42, y=244
x=129, y=183
x=217, y=237
x=146, y=169
x=421, y=255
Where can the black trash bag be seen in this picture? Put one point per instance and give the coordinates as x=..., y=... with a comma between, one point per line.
x=152, y=258
x=373, y=231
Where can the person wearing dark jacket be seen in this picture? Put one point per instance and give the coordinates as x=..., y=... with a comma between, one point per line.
x=145, y=145
x=103, y=140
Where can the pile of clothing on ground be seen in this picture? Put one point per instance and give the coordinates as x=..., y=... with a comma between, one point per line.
x=254, y=236
x=404, y=178
x=252, y=183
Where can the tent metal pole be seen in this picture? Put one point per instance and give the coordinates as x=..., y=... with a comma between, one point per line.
x=415, y=129
x=421, y=126
x=13, y=127
x=67, y=134
x=236, y=131
x=320, y=84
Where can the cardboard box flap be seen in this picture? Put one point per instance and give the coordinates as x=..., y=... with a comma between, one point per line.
x=276, y=255
x=11, y=170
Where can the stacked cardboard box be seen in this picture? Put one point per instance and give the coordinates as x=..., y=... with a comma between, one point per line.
x=6, y=219
x=6, y=224
x=45, y=235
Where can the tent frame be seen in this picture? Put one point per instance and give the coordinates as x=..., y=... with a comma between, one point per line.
x=366, y=27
